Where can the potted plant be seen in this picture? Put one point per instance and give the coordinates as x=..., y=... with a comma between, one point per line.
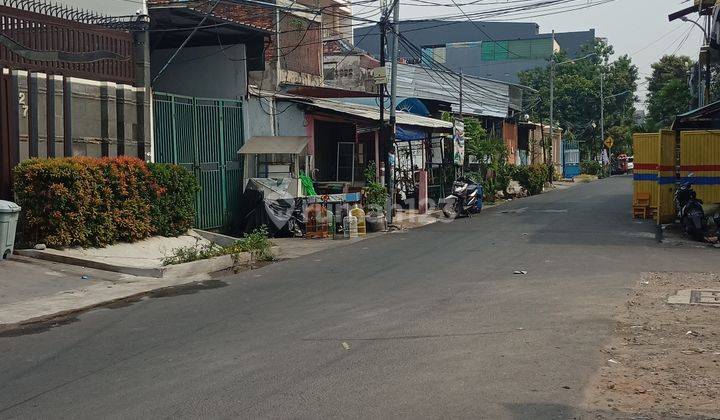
x=375, y=198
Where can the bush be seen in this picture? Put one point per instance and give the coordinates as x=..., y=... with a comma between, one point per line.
x=87, y=202
x=374, y=194
x=256, y=243
x=591, y=167
x=532, y=178
x=173, y=211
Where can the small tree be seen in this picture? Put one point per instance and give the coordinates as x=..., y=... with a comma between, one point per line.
x=491, y=157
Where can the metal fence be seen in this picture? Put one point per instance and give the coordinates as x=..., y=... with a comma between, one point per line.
x=39, y=36
x=204, y=136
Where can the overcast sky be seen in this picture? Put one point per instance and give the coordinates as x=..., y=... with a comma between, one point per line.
x=636, y=27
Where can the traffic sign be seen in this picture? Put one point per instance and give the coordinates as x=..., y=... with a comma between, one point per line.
x=609, y=142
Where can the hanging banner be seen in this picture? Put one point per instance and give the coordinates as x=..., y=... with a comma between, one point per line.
x=459, y=143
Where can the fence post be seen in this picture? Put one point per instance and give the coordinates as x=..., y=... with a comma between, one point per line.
x=141, y=57
x=104, y=120
x=67, y=118
x=33, y=114
x=120, y=119
x=50, y=115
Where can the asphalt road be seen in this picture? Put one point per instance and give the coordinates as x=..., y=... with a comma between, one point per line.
x=436, y=323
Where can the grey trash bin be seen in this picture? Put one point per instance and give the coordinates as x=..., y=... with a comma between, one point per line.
x=9, y=213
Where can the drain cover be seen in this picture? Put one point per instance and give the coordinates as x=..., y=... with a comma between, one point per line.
x=705, y=297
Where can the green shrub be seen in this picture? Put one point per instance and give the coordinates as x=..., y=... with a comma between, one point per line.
x=174, y=209
x=374, y=194
x=256, y=243
x=532, y=178
x=88, y=202
x=591, y=167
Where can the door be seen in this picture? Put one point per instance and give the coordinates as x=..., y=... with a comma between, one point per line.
x=203, y=136
x=345, y=162
x=571, y=159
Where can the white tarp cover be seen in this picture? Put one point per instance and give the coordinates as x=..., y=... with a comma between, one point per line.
x=274, y=144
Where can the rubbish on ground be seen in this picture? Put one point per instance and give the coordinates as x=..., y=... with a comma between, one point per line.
x=645, y=282
x=84, y=277
x=613, y=361
x=40, y=247
x=521, y=272
x=691, y=333
x=345, y=345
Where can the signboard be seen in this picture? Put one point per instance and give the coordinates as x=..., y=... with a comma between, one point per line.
x=379, y=75
x=609, y=142
x=459, y=143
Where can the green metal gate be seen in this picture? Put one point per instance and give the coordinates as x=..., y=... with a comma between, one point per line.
x=203, y=135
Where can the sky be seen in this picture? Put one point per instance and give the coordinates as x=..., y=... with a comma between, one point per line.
x=639, y=28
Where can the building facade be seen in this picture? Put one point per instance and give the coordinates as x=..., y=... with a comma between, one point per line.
x=494, y=50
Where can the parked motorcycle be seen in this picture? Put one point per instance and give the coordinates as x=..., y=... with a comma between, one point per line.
x=465, y=199
x=691, y=214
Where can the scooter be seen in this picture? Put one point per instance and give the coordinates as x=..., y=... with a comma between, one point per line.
x=465, y=199
x=693, y=221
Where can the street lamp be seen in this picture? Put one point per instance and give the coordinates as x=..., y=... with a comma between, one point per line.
x=707, y=37
x=703, y=98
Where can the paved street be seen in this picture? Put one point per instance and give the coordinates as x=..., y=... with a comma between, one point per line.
x=436, y=323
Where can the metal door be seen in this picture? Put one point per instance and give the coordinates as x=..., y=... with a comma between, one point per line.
x=203, y=135
x=571, y=159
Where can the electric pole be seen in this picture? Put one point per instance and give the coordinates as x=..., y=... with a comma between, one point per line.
x=602, y=113
x=393, y=100
x=461, y=95
x=383, y=148
x=551, y=169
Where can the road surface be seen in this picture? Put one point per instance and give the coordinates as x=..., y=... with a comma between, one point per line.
x=426, y=323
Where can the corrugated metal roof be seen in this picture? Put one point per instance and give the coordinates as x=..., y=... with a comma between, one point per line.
x=480, y=96
x=370, y=113
x=373, y=113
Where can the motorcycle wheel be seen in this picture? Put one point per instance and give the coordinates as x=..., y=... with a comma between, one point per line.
x=688, y=227
x=450, y=211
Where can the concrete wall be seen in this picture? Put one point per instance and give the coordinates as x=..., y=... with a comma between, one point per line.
x=95, y=131
x=206, y=72
x=266, y=117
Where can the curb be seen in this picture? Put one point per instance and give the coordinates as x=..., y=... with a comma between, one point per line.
x=171, y=271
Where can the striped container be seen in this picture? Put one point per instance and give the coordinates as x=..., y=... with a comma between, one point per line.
x=646, y=149
x=666, y=177
x=700, y=155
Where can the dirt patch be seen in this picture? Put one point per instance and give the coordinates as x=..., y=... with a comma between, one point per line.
x=664, y=360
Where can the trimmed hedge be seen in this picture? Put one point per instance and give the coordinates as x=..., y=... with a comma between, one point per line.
x=92, y=202
x=532, y=178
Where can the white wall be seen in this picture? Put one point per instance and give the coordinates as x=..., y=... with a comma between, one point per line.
x=106, y=7
x=208, y=72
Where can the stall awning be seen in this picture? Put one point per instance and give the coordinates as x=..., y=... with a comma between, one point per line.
x=274, y=144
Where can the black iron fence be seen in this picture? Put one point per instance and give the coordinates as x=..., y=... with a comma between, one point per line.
x=44, y=37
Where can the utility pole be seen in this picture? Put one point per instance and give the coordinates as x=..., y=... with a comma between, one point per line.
x=602, y=112
x=383, y=148
x=393, y=100
x=461, y=95
x=552, y=108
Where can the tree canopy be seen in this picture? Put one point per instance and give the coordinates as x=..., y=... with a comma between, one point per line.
x=668, y=91
x=577, y=96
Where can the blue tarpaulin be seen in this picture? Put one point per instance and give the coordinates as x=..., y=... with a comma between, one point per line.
x=408, y=133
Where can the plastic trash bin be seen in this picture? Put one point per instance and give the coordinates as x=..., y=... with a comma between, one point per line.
x=9, y=213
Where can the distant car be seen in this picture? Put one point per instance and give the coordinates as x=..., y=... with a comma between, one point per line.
x=630, y=164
